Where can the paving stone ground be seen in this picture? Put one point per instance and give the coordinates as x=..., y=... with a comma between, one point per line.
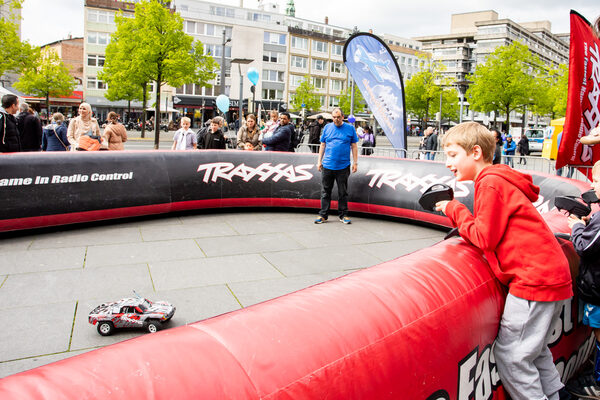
x=204, y=263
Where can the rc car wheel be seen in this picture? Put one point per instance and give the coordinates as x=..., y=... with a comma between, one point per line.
x=105, y=328
x=154, y=326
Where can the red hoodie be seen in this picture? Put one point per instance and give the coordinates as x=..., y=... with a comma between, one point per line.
x=519, y=246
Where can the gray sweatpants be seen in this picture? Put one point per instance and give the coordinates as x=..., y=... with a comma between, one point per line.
x=524, y=362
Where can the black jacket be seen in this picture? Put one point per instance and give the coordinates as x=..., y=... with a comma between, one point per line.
x=586, y=240
x=314, y=135
x=432, y=142
x=523, y=146
x=214, y=140
x=31, y=133
x=9, y=134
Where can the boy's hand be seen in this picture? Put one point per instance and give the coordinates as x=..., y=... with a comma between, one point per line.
x=572, y=220
x=441, y=206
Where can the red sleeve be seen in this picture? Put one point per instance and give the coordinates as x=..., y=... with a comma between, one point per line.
x=486, y=228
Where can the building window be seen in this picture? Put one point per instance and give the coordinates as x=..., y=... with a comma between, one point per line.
x=299, y=62
x=320, y=47
x=274, y=57
x=94, y=60
x=216, y=50
x=323, y=100
x=103, y=17
x=319, y=65
x=319, y=83
x=337, y=67
x=334, y=101
x=274, y=38
x=98, y=37
x=94, y=83
x=299, y=43
x=336, y=49
x=222, y=11
x=272, y=76
x=296, y=80
x=253, y=16
x=212, y=30
x=337, y=85
x=272, y=94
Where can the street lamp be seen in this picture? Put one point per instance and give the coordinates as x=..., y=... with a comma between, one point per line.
x=239, y=62
x=225, y=41
x=462, y=88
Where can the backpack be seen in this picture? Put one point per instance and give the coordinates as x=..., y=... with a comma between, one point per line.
x=200, y=137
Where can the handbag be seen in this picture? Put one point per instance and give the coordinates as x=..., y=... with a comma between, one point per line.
x=89, y=142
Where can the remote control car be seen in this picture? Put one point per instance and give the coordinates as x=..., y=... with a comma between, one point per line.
x=136, y=312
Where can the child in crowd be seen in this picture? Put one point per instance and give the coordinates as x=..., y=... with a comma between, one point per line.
x=585, y=235
x=214, y=138
x=185, y=138
x=506, y=226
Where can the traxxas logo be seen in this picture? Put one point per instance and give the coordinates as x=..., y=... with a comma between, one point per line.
x=227, y=170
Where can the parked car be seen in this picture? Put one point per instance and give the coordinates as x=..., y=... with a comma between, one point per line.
x=135, y=312
x=536, y=138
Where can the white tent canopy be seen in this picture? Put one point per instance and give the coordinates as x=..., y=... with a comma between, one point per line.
x=162, y=110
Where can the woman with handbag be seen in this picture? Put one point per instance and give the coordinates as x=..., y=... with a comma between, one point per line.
x=368, y=141
x=115, y=133
x=54, y=136
x=82, y=125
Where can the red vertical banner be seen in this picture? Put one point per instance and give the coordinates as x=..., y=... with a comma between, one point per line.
x=583, y=101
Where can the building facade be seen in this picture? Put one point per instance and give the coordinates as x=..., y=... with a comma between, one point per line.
x=474, y=36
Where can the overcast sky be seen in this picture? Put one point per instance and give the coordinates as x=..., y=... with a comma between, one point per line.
x=45, y=21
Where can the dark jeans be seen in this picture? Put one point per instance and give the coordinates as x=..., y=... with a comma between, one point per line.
x=340, y=177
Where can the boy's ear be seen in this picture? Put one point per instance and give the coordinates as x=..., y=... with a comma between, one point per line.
x=477, y=153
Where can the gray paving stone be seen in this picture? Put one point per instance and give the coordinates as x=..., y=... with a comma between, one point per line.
x=13, y=367
x=268, y=224
x=84, y=237
x=210, y=271
x=35, y=331
x=386, y=251
x=324, y=259
x=186, y=231
x=247, y=244
x=22, y=261
x=392, y=230
x=71, y=285
x=333, y=234
x=249, y=293
x=15, y=243
x=135, y=253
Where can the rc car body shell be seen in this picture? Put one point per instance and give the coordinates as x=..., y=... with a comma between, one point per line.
x=131, y=313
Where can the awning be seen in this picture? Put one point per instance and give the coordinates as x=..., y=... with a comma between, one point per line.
x=295, y=116
x=325, y=115
x=162, y=110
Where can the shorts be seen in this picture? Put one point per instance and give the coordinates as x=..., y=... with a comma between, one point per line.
x=591, y=315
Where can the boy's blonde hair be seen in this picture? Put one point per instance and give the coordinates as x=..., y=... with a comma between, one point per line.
x=469, y=134
x=185, y=119
x=596, y=169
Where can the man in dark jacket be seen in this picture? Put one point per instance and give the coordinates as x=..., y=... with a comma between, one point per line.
x=280, y=139
x=30, y=130
x=314, y=136
x=431, y=143
x=523, y=148
x=9, y=134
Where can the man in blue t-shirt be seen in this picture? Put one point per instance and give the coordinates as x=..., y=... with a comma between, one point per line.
x=337, y=139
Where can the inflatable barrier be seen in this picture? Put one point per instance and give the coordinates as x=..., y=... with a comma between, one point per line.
x=419, y=327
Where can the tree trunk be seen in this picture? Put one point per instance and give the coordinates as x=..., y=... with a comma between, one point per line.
x=128, y=110
x=157, y=111
x=496, y=119
x=507, y=120
x=48, y=106
x=524, y=124
x=144, y=109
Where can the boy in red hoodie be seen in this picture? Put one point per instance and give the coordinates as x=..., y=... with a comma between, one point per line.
x=506, y=226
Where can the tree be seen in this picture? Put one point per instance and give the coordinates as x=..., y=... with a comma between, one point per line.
x=15, y=55
x=422, y=92
x=161, y=51
x=507, y=81
x=49, y=77
x=125, y=80
x=346, y=98
x=559, y=88
x=305, y=94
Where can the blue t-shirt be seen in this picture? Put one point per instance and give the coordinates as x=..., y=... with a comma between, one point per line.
x=338, y=142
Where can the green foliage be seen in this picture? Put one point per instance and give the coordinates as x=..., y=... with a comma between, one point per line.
x=508, y=80
x=305, y=94
x=359, y=101
x=49, y=77
x=15, y=55
x=153, y=47
x=558, y=90
x=422, y=93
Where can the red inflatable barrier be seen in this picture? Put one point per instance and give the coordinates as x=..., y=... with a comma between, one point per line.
x=419, y=327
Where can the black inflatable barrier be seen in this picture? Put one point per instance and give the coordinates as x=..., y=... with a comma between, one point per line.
x=47, y=189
